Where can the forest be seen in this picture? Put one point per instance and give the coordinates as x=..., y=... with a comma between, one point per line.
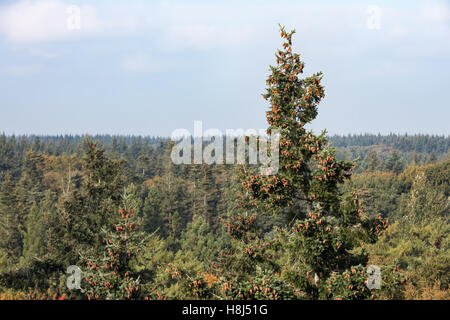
x=137, y=226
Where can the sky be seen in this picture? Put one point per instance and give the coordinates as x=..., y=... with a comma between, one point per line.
x=150, y=67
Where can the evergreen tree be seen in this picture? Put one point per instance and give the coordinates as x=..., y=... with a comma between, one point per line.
x=373, y=162
x=11, y=240
x=200, y=239
x=30, y=184
x=36, y=226
x=111, y=274
x=153, y=212
x=328, y=226
x=426, y=202
x=204, y=192
x=394, y=163
x=176, y=224
x=76, y=226
x=143, y=162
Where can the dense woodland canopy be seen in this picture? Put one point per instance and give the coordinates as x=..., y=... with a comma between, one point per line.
x=140, y=227
x=182, y=206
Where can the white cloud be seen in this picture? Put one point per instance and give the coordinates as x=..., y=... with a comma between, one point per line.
x=142, y=63
x=322, y=29
x=436, y=12
x=45, y=20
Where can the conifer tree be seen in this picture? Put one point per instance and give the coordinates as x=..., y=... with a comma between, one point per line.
x=11, y=239
x=326, y=226
x=30, y=185
x=394, y=163
x=373, y=162
x=200, y=239
x=76, y=226
x=204, y=191
x=35, y=238
x=143, y=163
x=111, y=274
x=153, y=212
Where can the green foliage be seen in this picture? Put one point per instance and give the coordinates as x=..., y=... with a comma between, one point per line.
x=10, y=224
x=200, y=239
x=76, y=226
x=153, y=212
x=419, y=239
x=309, y=231
x=329, y=225
x=111, y=274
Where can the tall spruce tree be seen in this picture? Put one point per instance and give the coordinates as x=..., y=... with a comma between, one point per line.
x=111, y=274
x=76, y=226
x=326, y=226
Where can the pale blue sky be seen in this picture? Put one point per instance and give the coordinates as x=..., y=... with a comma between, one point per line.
x=150, y=67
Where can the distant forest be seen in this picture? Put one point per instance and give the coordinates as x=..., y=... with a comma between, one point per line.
x=401, y=178
x=375, y=152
